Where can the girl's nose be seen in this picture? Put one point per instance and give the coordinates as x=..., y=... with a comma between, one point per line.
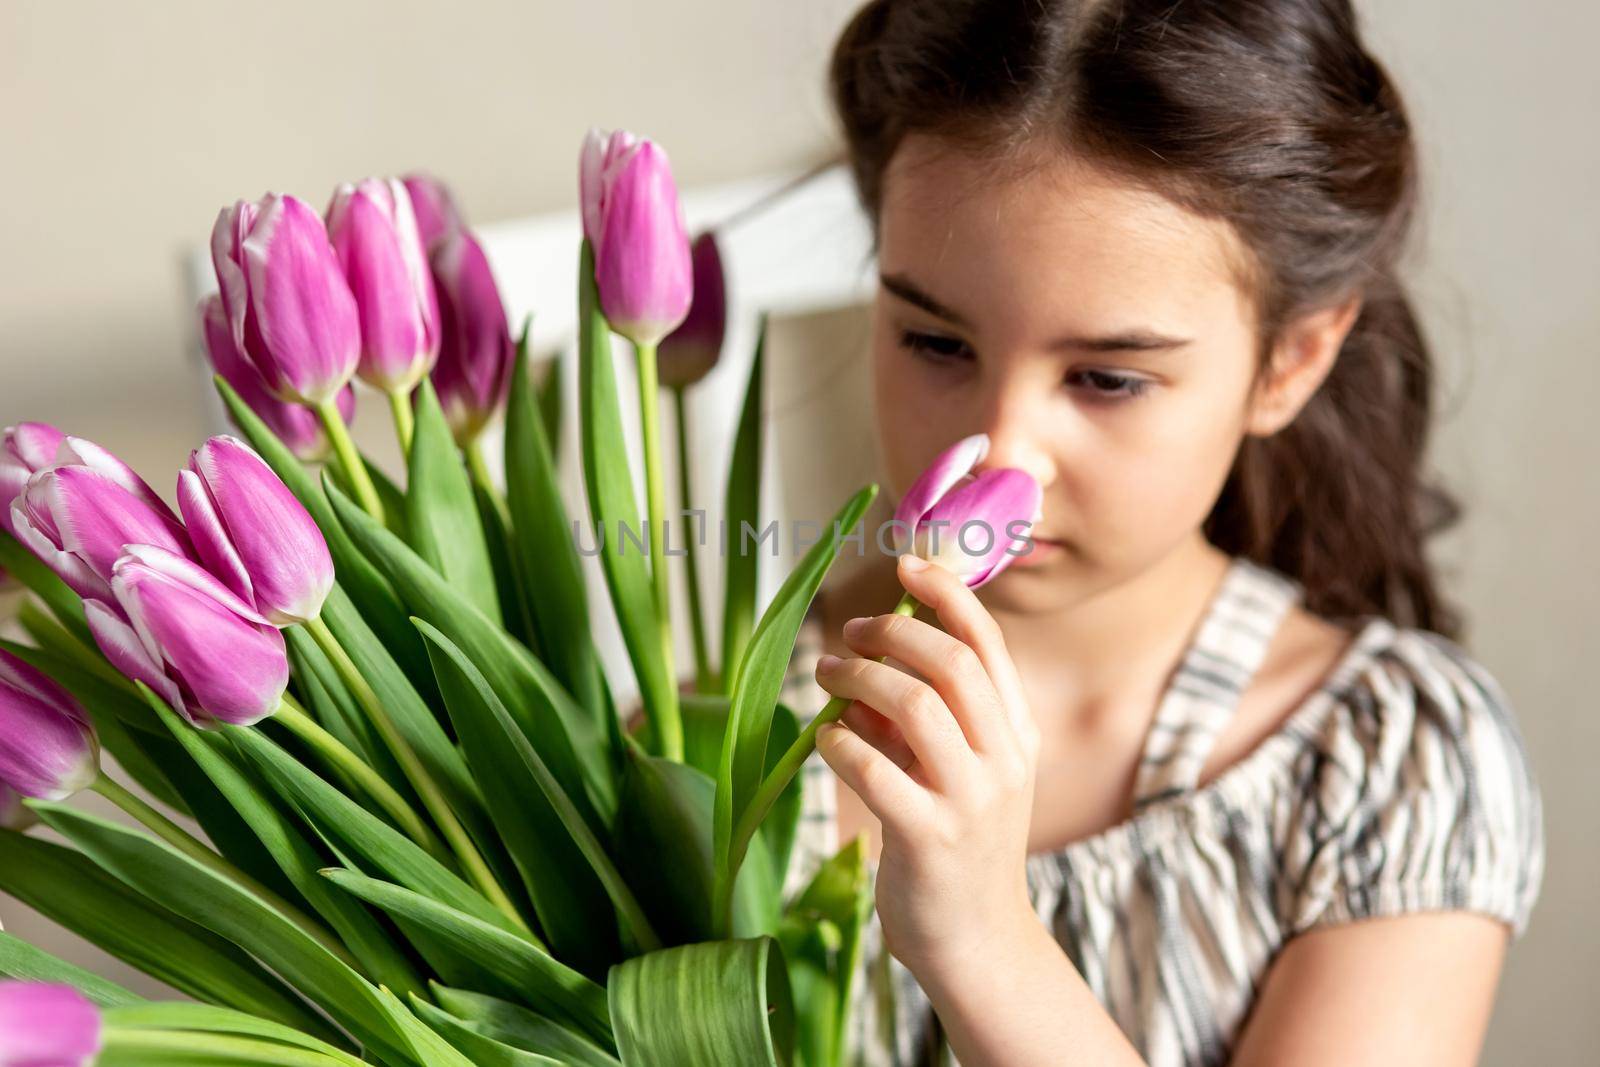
x=1014, y=442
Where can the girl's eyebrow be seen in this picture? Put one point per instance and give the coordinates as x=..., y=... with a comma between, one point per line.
x=1135, y=340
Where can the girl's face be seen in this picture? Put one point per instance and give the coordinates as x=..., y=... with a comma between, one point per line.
x=1095, y=331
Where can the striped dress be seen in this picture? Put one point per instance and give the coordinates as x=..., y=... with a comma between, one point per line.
x=1400, y=785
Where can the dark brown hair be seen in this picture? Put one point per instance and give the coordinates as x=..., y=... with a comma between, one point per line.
x=1269, y=114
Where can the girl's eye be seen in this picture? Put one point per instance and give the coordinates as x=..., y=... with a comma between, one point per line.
x=1109, y=384
x=935, y=347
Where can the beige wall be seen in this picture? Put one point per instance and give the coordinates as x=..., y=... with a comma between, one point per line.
x=126, y=126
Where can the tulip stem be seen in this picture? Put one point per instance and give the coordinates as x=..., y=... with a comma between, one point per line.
x=432, y=796
x=370, y=781
x=405, y=423
x=174, y=835
x=774, y=784
x=667, y=723
x=355, y=468
x=478, y=468
x=703, y=680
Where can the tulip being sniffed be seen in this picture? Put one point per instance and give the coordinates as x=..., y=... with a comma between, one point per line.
x=48, y=748
x=47, y=1025
x=968, y=522
x=288, y=304
x=476, y=353
x=76, y=516
x=184, y=634
x=688, y=353
x=297, y=427
x=374, y=233
x=434, y=207
x=253, y=534
x=634, y=223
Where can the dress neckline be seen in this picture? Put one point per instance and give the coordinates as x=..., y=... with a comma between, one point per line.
x=1259, y=592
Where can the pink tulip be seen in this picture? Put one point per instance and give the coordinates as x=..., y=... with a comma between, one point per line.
x=13, y=815
x=253, y=534
x=634, y=223
x=296, y=426
x=435, y=208
x=688, y=353
x=968, y=523
x=178, y=630
x=77, y=514
x=476, y=353
x=48, y=748
x=289, y=307
x=47, y=1025
x=374, y=232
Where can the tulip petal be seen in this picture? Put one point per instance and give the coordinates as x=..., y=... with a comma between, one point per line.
x=993, y=500
x=127, y=652
x=688, y=353
x=942, y=475
x=643, y=269
x=476, y=353
x=93, y=517
x=209, y=535
x=30, y=681
x=47, y=1025
x=435, y=208
x=47, y=748
x=40, y=539
x=268, y=530
x=75, y=451
x=28, y=447
x=187, y=572
x=302, y=308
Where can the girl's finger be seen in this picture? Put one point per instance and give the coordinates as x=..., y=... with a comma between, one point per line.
x=878, y=732
x=968, y=621
x=884, y=788
x=951, y=667
x=924, y=721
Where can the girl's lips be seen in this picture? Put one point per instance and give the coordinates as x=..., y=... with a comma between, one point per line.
x=1041, y=551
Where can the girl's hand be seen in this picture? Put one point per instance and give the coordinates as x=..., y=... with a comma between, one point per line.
x=947, y=766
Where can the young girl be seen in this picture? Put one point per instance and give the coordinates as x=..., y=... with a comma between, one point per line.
x=1126, y=802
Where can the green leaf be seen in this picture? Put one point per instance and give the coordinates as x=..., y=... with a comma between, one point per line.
x=608, y=481
x=208, y=1019
x=713, y=1002
x=507, y=583
x=543, y=981
x=337, y=711
x=743, y=510
x=559, y=730
x=26, y=568
x=546, y=833
x=25, y=963
x=663, y=845
x=441, y=514
x=180, y=1048
x=352, y=827
x=68, y=888
x=238, y=915
x=550, y=406
x=760, y=679
x=300, y=862
x=485, y=1051
x=545, y=554
x=516, y=1026
x=371, y=596
x=821, y=936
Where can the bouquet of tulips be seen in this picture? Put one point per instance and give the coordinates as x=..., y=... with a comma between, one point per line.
x=426, y=838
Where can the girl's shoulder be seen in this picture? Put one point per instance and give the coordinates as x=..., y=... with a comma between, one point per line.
x=1409, y=788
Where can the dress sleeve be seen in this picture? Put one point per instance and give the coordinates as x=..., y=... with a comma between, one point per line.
x=1419, y=796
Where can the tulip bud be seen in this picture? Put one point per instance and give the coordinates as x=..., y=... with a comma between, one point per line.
x=634, y=223
x=374, y=232
x=288, y=304
x=964, y=521
x=77, y=515
x=47, y=1025
x=476, y=353
x=434, y=207
x=297, y=427
x=252, y=534
x=688, y=353
x=48, y=748
x=13, y=815
x=178, y=630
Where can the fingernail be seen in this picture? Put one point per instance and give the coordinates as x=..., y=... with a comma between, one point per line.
x=827, y=661
x=854, y=627
x=913, y=563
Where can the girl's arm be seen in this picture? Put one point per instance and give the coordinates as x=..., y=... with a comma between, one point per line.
x=955, y=798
